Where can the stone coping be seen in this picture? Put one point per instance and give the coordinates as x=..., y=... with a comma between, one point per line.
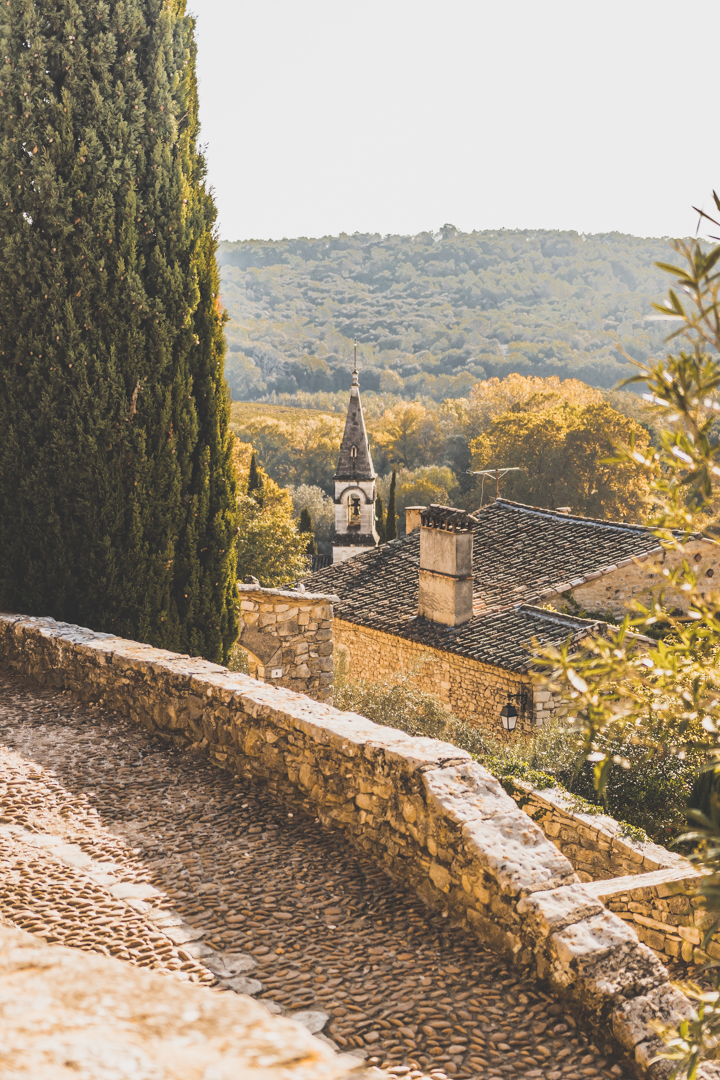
x=435, y=819
x=66, y=1012
x=291, y=594
x=596, y=844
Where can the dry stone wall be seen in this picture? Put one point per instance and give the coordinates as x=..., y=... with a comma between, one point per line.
x=288, y=636
x=643, y=883
x=595, y=844
x=431, y=816
x=663, y=913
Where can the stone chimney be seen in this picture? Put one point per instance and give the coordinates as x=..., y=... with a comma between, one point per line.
x=412, y=518
x=446, y=547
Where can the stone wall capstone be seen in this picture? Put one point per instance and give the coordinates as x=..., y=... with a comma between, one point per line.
x=288, y=635
x=423, y=809
x=66, y=1012
x=595, y=844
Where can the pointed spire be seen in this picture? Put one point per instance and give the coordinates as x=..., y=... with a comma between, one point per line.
x=355, y=462
x=355, y=370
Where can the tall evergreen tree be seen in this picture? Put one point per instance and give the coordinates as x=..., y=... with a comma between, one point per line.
x=117, y=497
x=306, y=526
x=391, y=518
x=255, y=482
x=379, y=519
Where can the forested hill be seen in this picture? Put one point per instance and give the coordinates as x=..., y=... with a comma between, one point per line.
x=434, y=313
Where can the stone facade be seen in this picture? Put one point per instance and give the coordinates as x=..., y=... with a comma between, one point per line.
x=423, y=809
x=288, y=637
x=614, y=589
x=473, y=691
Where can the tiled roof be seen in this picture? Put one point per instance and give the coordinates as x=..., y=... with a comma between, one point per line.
x=521, y=555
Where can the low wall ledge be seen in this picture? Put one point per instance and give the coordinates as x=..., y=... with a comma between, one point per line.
x=434, y=819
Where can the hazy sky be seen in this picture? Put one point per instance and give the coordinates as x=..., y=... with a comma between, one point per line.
x=328, y=116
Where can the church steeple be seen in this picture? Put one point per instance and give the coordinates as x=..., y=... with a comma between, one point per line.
x=354, y=483
x=355, y=462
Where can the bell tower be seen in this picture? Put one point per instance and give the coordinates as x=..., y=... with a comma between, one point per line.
x=354, y=484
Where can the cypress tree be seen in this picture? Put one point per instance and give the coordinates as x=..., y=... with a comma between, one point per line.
x=391, y=518
x=255, y=482
x=379, y=519
x=306, y=526
x=117, y=497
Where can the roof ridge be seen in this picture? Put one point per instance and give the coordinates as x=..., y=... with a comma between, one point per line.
x=556, y=515
x=559, y=616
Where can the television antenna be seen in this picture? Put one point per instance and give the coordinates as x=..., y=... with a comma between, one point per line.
x=497, y=473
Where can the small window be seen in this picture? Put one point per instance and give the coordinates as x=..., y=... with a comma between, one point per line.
x=353, y=451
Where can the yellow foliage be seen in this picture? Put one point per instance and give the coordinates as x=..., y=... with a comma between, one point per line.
x=409, y=434
x=563, y=453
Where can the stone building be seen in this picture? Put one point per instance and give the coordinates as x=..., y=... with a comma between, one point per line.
x=288, y=637
x=461, y=597
x=354, y=478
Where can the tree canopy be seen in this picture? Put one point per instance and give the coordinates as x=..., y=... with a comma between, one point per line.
x=117, y=499
x=565, y=456
x=437, y=312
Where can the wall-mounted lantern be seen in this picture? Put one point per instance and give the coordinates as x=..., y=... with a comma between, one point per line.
x=509, y=712
x=509, y=715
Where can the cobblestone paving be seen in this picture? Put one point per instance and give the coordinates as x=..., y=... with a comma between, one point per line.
x=113, y=842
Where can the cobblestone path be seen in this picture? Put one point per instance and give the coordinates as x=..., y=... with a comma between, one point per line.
x=111, y=841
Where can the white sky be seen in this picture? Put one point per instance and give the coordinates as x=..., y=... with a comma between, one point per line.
x=395, y=116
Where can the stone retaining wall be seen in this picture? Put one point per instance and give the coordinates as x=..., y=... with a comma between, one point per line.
x=431, y=816
x=661, y=912
x=595, y=844
x=288, y=636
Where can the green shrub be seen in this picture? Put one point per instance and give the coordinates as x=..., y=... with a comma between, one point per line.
x=649, y=798
x=396, y=702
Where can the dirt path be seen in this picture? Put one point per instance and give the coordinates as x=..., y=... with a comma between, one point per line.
x=110, y=841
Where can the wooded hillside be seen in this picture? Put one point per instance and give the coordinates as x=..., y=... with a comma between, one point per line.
x=435, y=313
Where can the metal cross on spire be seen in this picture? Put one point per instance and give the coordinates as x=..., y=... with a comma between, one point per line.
x=355, y=370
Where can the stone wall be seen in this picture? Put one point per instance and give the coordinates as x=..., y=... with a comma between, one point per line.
x=643, y=883
x=595, y=844
x=470, y=689
x=65, y=1012
x=288, y=636
x=661, y=912
x=613, y=589
x=423, y=809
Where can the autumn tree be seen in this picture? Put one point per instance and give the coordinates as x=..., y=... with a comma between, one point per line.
x=117, y=497
x=408, y=436
x=563, y=455
x=391, y=515
x=307, y=530
x=269, y=546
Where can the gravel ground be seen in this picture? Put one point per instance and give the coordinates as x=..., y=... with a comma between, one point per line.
x=112, y=842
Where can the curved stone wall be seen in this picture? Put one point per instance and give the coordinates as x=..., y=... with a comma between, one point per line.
x=434, y=818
